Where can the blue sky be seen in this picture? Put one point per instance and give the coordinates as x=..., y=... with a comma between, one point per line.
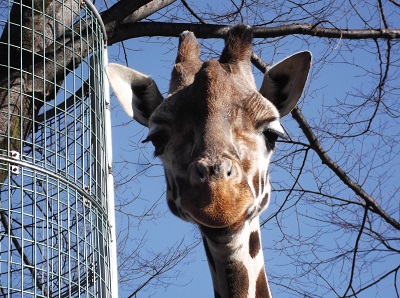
x=155, y=56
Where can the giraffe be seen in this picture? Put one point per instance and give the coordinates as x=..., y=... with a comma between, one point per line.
x=215, y=134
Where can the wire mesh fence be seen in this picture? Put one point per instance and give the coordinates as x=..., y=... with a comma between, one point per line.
x=54, y=227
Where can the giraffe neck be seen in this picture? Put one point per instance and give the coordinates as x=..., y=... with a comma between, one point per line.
x=236, y=261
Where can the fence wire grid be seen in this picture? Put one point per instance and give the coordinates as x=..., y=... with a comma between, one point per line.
x=54, y=217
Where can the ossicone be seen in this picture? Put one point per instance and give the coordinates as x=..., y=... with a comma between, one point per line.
x=238, y=45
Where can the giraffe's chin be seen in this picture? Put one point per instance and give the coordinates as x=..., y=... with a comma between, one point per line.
x=218, y=205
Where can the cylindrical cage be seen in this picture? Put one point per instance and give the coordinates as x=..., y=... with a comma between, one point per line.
x=54, y=227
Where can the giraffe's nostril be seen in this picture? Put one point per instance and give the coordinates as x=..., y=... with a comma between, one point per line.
x=230, y=173
x=228, y=168
x=202, y=171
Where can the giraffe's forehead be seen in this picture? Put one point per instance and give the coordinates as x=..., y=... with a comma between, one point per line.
x=215, y=95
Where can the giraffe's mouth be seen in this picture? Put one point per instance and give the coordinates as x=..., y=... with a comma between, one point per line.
x=217, y=204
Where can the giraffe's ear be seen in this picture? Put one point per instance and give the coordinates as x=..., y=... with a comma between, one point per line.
x=284, y=82
x=137, y=93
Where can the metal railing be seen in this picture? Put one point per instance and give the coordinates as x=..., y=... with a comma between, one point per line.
x=55, y=230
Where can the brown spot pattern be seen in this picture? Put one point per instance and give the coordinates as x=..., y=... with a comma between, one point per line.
x=261, y=285
x=256, y=184
x=237, y=280
x=254, y=244
x=264, y=202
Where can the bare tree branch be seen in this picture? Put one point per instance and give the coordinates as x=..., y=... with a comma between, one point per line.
x=131, y=30
x=147, y=10
x=323, y=155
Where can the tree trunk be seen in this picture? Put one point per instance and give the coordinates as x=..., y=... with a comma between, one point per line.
x=33, y=27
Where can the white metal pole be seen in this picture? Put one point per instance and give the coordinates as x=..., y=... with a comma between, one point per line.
x=110, y=182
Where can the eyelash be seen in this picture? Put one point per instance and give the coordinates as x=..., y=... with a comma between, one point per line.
x=159, y=140
x=271, y=136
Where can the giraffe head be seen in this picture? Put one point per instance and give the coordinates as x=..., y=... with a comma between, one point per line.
x=215, y=131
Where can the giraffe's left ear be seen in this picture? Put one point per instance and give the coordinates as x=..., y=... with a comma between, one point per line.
x=137, y=93
x=284, y=82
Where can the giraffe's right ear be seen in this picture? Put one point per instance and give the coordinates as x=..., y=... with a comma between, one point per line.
x=137, y=93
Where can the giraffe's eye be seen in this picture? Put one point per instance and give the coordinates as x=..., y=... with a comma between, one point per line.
x=159, y=140
x=271, y=136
